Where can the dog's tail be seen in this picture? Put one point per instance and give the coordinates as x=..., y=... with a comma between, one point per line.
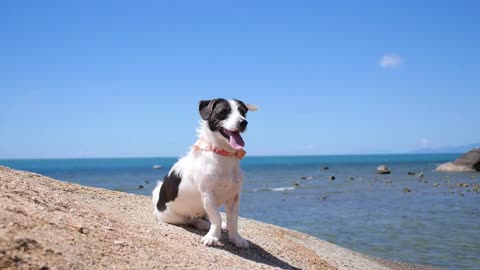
x=156, y=196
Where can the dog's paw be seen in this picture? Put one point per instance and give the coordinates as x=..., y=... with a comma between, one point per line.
x=239, y=241
x=210, y=241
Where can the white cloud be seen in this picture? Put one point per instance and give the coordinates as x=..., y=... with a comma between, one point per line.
x=390, y=61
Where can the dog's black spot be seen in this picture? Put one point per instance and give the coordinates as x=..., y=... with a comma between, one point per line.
x=169, y=190
x=242, y=108
x=214, y=111
x=221, y=110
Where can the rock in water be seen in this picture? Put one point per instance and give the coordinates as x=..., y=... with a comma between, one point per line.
x=468, y=162
x=382, y=169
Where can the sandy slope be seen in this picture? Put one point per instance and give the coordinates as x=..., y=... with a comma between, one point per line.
x=49, y=224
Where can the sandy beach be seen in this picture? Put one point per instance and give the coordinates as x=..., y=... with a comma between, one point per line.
x=50, y=224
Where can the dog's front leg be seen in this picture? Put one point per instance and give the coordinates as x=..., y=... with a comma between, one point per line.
x=211, y=207
x=231, y=207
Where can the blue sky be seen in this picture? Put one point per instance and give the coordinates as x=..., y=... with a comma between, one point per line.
x=123, y=78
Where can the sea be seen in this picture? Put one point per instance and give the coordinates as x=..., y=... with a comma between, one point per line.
x=413, y=215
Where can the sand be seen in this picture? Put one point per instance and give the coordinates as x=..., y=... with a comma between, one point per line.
x=50, y=224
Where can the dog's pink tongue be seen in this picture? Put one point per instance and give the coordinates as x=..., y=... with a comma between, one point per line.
x=236, y=141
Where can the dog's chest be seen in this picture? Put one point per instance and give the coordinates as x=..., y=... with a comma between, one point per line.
x=223, y=178
x=223, y=187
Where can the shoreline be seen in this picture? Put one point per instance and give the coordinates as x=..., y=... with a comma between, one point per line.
x=53, y=224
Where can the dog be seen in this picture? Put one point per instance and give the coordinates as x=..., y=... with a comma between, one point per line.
x=209, y=176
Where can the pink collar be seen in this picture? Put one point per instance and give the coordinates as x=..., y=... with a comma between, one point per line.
x=204, y=146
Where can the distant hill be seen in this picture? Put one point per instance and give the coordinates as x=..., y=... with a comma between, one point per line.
x=448, y=149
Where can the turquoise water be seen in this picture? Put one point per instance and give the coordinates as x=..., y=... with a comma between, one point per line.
x=436, y=223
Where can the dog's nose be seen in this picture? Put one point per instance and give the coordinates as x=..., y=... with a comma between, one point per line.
x=243, y=124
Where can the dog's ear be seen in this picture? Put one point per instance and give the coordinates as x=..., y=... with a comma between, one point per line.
x=205, y=107
x=252, y=107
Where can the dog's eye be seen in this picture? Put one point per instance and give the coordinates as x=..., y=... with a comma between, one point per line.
x=223, y=112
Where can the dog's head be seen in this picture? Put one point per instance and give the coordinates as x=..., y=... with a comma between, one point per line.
x=226, y=117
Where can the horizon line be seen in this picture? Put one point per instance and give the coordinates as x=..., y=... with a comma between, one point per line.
x=282, y=155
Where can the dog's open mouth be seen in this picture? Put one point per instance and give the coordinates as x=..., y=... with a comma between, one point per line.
x=234, y=138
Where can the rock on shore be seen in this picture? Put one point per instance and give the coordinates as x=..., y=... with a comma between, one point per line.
x=468, y=162
x=382, y=169
x=50, y=224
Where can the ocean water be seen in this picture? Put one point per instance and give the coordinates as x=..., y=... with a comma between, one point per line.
x=436, y=223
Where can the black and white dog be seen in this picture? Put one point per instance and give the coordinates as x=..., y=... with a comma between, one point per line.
x=209, y=176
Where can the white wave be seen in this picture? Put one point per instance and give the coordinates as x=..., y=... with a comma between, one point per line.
x=272, y=189
x=282, y=188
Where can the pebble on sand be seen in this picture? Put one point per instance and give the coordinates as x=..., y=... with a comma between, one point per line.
x=119, y=242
